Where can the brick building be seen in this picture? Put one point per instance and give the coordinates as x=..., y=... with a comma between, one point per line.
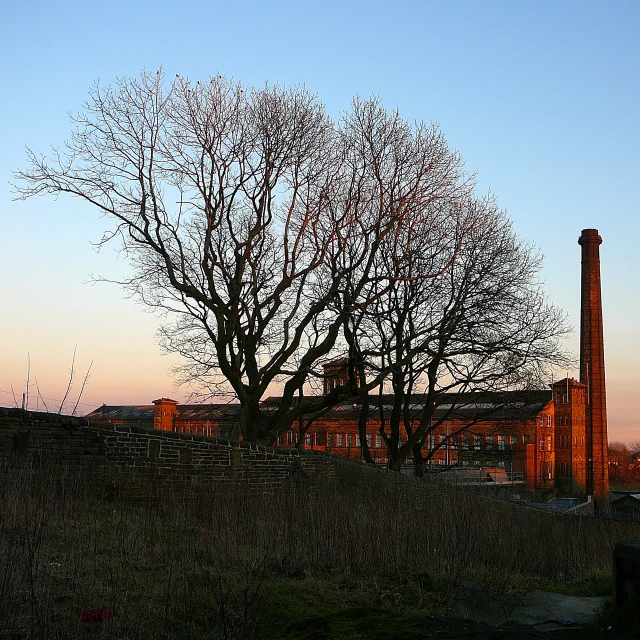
x=538, y=436
x=555, y=439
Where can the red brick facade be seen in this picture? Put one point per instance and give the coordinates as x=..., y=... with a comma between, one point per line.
x=556, y=440
x=536, y=436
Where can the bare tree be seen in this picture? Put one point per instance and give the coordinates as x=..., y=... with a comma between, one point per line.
x=619, y=463
x=478, y=322
x=254, y=220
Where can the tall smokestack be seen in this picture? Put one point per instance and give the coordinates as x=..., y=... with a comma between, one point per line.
x=592, y=366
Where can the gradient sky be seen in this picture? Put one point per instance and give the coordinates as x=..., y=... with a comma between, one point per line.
x=542, y=100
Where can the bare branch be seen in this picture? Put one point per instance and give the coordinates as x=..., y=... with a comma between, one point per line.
x=71, y=376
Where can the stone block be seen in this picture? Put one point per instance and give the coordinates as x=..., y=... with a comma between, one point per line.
x=626, y=564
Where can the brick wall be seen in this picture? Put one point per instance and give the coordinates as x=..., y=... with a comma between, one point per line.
x=137, y=459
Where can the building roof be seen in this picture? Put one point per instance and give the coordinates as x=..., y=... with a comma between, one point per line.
x=144, y=413
x=208, y=411
x=122, y=412
x=571, y=382
x=506, y=405
x=619, y=495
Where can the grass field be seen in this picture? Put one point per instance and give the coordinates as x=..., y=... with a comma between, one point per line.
x=374, y=556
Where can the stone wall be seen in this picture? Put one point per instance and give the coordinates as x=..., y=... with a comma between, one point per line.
x=136, y=460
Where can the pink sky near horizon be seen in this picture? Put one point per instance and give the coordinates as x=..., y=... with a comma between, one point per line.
x=128, y=367
x=538, y=98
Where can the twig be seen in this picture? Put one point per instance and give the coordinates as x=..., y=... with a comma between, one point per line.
x=40, y=396
x=15, y=400
x=28, y=379
x=84, y=382
x=71, y=373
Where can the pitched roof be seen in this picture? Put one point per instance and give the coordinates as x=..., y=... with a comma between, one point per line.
x=504, y=405
x=484, y=405
x=140, y=412
x=145, y=413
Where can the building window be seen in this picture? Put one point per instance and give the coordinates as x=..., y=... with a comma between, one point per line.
x=338, y=439
x=465, y=441
x=541, y=443
x=501, y=443
x=432, y=442
x=319, y=439
x=548, y=443
x=378, y=442
x=328, y=439
x=349, y=440
x=477, y=444
x=368, y=439
x=307, y=440
x=489, y=442
x=357, y=440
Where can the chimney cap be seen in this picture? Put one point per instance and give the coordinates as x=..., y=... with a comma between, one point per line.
x=590, y=236
x=165, y=401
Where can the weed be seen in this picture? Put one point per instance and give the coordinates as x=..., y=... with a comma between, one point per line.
x=232, y=564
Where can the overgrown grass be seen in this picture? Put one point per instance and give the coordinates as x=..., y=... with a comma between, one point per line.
x=232, y=564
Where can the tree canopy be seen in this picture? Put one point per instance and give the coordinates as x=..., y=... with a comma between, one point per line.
x=278, y=238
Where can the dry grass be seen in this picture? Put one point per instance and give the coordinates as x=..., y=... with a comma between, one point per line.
x=220, y=565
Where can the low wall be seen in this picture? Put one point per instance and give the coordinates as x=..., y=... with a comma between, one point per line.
x=137, y=459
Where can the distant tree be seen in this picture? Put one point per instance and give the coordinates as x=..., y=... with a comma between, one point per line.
x=620, y=469
x=258, y=223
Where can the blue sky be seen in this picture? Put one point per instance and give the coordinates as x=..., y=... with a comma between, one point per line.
x=542, y=100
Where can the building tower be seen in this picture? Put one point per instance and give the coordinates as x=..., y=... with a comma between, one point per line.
x=592, y=366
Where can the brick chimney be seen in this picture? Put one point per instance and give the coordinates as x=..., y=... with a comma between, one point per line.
x=592, y=366
x=164, y=414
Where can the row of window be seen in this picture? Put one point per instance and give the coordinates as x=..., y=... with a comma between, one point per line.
x=546, y=470
x=562, y=397
x=544, y=420
x=331, y=440
x=565, y=469
x=464, y=441
x=566, y=441
x=545, y=443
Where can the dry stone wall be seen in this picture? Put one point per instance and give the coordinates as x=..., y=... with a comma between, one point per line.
x=135, y=460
